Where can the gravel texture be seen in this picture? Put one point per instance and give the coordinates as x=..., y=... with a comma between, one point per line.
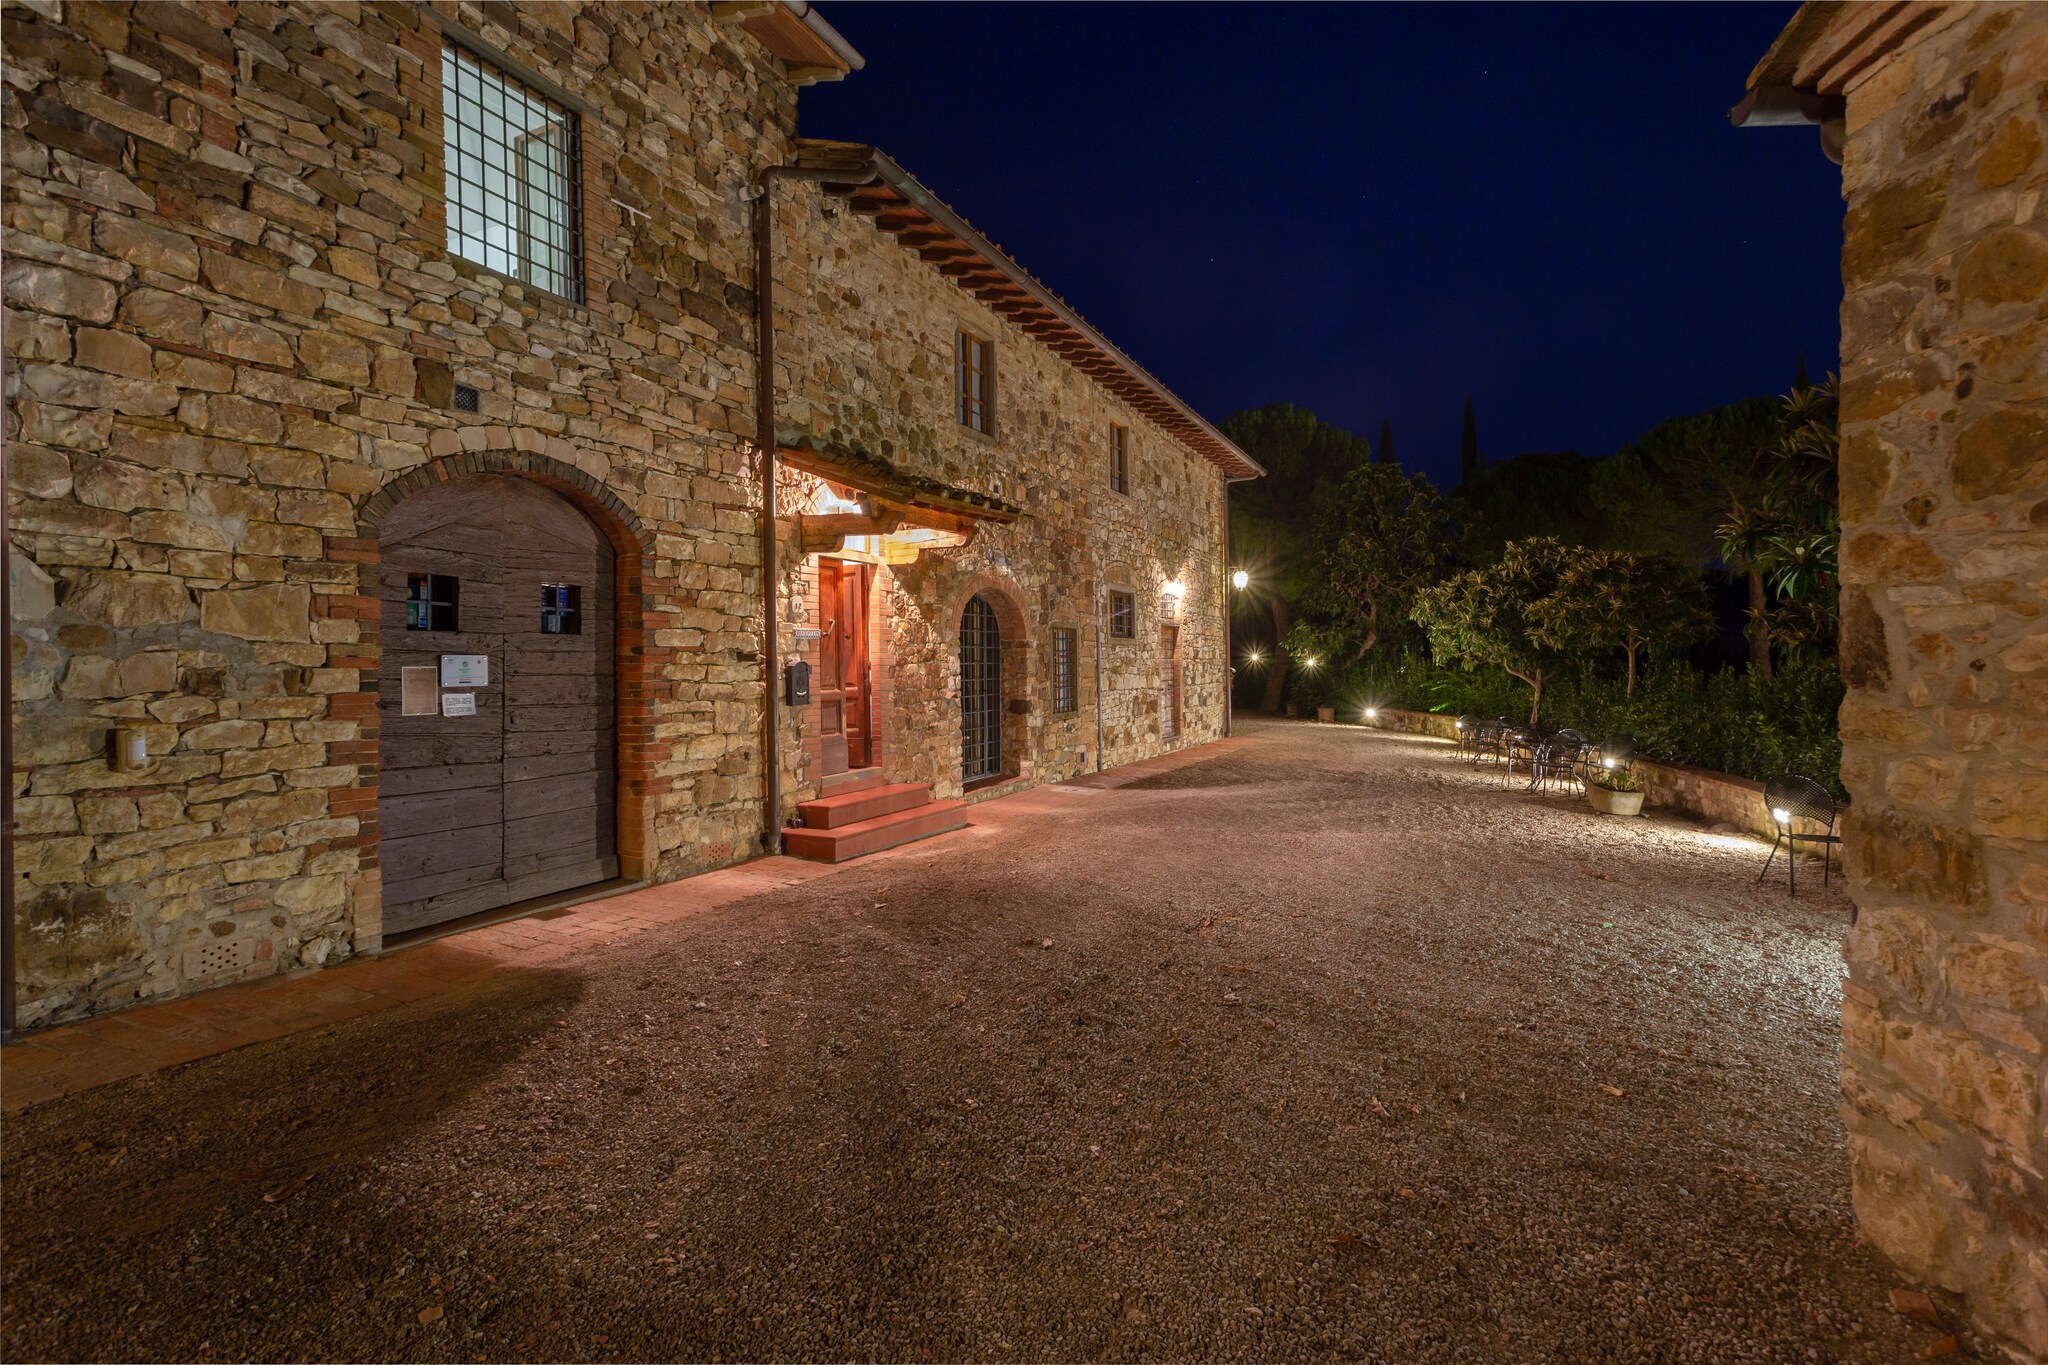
x=1311, y=1050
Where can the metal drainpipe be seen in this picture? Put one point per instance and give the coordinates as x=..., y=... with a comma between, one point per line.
x=6, y=742
x=1098, y=677
x=764, y=435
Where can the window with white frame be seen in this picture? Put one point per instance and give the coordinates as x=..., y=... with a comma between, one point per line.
x=512, y=175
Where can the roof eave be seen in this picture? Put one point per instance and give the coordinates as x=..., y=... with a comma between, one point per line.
x=1026, y=297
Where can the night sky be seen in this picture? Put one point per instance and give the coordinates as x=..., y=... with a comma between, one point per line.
x=1375, y=210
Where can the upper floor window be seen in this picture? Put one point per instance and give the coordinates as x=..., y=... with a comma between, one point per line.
x=1119, y=459
x=1123, y=615
x=975, y=384
x=511, y=155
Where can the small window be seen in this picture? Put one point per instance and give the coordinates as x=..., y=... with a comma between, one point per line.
x=974, y=386
x=430, y=601
x=1119, y=459
x=512, y=178
x=561, y=609
x=1064, y=669
x=1123, y=615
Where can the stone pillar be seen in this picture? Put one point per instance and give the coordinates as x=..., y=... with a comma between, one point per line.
x=1945, y=651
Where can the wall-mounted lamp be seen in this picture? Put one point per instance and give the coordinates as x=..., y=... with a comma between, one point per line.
x=1240, y=580
x=129, y=751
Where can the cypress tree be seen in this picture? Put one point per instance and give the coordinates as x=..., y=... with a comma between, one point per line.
x=1385, y=453
x=1468, y=449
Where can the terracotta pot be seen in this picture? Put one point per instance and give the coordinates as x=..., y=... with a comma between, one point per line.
x=1614, y=803
x=1326, y=714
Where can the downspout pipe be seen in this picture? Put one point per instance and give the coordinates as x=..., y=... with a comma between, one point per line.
x=763, y=195
x=7, y=944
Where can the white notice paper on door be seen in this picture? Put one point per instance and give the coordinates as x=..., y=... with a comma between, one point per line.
x=416, y=691
x=458, y=703
x=465, y=670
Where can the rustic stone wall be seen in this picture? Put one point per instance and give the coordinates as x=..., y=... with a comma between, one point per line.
x=868, y=335
x=231, y=322
x=234, y=336
x=1945, y=651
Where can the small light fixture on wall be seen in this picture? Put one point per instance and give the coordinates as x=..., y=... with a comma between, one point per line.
x=1170, y=595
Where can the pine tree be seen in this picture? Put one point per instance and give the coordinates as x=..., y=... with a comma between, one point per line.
x=1385, y=453
x=1468, y=449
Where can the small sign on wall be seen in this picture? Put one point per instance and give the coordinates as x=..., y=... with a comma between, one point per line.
x=465, y=670
x=416, y=691
x=458, y=703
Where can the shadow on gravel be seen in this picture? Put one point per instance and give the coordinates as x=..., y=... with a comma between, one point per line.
x=128, y=1179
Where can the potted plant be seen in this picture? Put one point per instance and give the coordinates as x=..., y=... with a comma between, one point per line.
x=1615, y=791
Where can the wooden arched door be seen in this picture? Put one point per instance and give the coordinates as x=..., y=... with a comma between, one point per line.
x=981, y=691
x=498, y=752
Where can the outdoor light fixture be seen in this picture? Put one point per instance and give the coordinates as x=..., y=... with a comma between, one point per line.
x=1175, y=589
x=1240, y=580
x=1309, y=662
x=1253, y=656
x=1783, y=817
x=1372, y=713
x=1606, y=762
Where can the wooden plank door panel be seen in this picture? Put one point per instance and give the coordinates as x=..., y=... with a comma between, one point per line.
x=520, y=799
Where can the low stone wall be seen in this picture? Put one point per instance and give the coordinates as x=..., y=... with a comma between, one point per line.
x=1714, y=797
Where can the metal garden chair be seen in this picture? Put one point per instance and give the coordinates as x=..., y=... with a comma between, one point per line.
x=1468, y=735
x=1560, y=759
x=1791, y=798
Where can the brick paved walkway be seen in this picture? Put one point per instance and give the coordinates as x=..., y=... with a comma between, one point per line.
x=68, y=1058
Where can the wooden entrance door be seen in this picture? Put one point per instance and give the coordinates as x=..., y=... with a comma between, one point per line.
x=843, y=690
x=499, y=792
x=1169, y=682
x=981, y=692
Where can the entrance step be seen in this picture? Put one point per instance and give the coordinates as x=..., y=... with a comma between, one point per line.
x=838, y=844
x=852, y=780
x=863, y=803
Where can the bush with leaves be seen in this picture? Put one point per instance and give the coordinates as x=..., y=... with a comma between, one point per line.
x=1620, y=600
x=1501, y=616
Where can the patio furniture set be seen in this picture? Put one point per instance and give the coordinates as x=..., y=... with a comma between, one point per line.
x=1802, y=810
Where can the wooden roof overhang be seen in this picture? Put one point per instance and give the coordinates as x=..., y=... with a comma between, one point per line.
x=794, y=31
x=893, y=497
x=1829, y=45
x=880, y=190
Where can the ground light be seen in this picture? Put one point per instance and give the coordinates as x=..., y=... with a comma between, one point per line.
x=1783, y=817
x=1372, y=713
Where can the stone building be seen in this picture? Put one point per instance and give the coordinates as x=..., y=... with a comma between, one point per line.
x=387, y=486
x=1938, y=115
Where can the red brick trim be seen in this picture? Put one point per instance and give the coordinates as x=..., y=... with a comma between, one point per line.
x=640, y=666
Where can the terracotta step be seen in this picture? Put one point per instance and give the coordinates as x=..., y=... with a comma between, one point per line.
x=852, y=780
x=872, y=836
x=850, y=808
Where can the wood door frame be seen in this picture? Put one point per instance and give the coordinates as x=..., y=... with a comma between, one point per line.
x=859, y=660
x=640, y=665
x=1171, y=700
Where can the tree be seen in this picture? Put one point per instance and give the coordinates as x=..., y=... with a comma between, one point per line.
x=1617, y=599
x=1271, y=519
x=1385, y=453
x=1495, y=617
x=1468, y=446
x=1797, y=554
x=1380, y=535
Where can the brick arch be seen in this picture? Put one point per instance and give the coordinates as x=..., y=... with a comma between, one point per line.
x=1020, y=674
x=640, y=665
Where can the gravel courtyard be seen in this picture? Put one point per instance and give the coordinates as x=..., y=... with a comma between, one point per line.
x=1326, y=1047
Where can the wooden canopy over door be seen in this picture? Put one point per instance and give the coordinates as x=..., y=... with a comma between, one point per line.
x=517, y=800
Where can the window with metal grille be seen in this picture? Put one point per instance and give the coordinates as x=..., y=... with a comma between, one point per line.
x=1064, y=670
x=561, y=609
x=512, y=176
x=1119, y=459
x=1123, y=615
x=431, y=601
x=974, y=385
x=981, y=692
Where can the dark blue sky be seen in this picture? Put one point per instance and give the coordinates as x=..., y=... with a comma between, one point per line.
x=1375, y=210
